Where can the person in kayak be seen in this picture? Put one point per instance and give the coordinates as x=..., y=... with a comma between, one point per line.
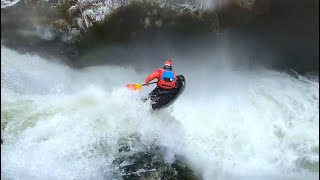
x=167, y=79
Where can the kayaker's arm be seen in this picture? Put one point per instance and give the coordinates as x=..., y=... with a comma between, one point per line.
x=152, y=76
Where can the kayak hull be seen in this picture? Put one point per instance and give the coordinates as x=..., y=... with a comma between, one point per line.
x=164, y=100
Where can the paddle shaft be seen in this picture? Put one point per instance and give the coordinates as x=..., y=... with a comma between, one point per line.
x=149, y=83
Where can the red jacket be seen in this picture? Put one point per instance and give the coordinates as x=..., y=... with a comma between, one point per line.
x=163, y=83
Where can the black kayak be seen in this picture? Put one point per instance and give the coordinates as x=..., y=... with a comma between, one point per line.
x=164, y=99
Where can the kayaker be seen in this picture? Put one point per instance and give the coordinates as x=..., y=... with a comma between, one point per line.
x=167, y=79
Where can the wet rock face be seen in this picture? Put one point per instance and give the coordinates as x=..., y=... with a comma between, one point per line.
x=69, y=20
x=245, y=3
x=261, y=7
x=67, y=28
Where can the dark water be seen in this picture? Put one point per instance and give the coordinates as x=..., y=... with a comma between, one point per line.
x=149, y=164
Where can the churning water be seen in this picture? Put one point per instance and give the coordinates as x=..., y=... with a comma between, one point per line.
x=64, y=123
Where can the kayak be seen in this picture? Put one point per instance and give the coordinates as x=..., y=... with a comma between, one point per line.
x=164, y=99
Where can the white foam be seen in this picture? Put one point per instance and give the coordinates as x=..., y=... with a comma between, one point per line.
x=65, y=123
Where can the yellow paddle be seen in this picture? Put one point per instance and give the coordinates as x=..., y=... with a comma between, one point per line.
x=137, y=86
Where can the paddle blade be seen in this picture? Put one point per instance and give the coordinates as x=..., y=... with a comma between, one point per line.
x=134, y=86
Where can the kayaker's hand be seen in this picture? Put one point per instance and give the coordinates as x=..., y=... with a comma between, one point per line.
x=147, y=84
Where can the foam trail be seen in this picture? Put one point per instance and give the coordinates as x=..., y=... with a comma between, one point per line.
x=61, y=123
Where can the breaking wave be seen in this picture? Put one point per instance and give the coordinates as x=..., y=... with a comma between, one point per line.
x=64, y=123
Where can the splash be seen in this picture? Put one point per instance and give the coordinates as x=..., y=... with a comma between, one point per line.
x=63, y=123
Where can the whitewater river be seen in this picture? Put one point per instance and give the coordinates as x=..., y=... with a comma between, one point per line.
x=230, y=123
